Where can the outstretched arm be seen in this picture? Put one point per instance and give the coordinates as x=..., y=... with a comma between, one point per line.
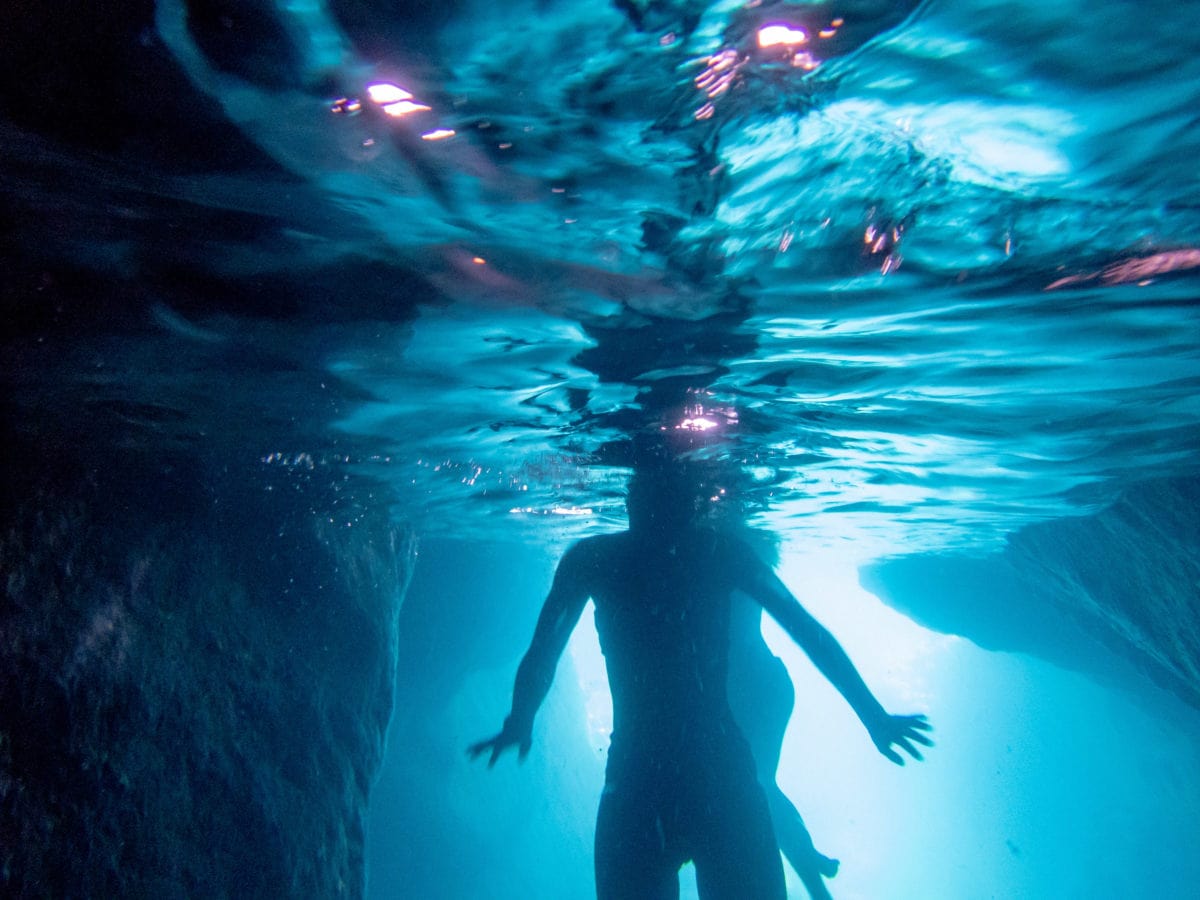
x=887, y=731
x=560, y=613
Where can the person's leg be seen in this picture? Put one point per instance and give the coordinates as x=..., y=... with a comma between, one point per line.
x=632, y=862
x=797, y=846
x=762, y=697
x=735, y=852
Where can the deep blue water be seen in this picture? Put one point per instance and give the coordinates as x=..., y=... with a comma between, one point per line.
x=922, y=279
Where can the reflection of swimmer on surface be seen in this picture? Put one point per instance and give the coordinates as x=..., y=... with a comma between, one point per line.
x=681, y=782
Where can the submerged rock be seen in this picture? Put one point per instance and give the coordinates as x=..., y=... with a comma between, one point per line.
x=1085, y=592
x=196, y=675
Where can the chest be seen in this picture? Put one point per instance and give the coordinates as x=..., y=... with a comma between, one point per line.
x=663, y=602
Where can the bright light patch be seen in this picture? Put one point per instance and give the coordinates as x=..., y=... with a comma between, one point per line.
x=554, y=511
x=699, y=423
x=593, y=679
x=804, y=60
x=1008, y=151
x=1003, y=146
x=404, y=108
x=383, y=93
x=781, y=36
x=893, y=653
x=438, y=134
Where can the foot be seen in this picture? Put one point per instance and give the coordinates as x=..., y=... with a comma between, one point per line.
x=826, y=866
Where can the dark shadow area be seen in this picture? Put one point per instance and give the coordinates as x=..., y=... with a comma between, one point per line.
x=195, y=674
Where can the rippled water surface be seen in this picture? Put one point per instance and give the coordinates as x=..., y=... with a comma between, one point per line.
x=918, y=278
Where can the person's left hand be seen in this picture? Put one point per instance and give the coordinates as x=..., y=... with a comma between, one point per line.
x=903, y=732
x=509, y=736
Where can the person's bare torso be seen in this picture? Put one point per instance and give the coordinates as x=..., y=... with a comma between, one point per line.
x=662, y=613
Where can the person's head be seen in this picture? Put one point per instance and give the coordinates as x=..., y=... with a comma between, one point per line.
x=665, y=500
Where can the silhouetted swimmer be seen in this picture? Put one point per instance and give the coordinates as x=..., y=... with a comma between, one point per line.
x=680, y=782
x=761, y=696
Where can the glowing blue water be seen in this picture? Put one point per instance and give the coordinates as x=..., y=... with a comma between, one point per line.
x=933, y=272
x=901, y=271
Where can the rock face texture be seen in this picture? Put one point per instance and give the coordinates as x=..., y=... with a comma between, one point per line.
x=196, y=675
x=1123, y=582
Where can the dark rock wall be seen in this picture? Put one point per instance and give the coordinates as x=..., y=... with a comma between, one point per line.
x=1130, y=576
x=196, y=673
x=1116, y=594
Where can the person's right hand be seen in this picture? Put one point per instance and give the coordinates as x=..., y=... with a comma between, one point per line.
x=509, y=736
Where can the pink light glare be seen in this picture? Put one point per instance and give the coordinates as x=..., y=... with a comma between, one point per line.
x=698, y=423
x=781, y=41
x=395, y=100
x=697, y=416
x=781, y=35
x=351, y=106
x=719, y=73
x=383, y=93
x=404, y=108
x=1139, y=269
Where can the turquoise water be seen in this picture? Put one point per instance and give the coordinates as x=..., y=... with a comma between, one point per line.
x=913, y=283
x=937, y=285
x=868, y=266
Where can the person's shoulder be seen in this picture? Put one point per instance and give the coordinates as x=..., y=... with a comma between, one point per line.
x=718, y=541
x=599, y=546
x=735, y=554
